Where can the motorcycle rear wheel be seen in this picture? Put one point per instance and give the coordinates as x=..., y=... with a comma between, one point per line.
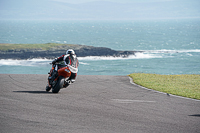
x=59, y=85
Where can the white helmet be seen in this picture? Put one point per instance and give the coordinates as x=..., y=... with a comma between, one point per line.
x=70, y=51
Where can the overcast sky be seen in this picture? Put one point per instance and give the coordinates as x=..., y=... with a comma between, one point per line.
x=99, y=9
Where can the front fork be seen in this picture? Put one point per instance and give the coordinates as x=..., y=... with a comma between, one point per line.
x=52, y=75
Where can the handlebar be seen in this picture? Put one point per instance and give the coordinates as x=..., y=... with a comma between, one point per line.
x=56, y=64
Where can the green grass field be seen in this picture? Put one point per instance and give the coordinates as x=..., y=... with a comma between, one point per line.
x=47, y=46
x=181, y=85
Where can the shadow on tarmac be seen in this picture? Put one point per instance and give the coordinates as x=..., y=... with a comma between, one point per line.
x=34, y=92
x=196, y=115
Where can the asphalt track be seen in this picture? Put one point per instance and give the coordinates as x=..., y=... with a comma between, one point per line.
x=93, y=104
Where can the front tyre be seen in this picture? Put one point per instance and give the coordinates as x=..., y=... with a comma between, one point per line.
x=59, y=85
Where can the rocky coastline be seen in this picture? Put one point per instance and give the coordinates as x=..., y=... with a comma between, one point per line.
x=81, y=51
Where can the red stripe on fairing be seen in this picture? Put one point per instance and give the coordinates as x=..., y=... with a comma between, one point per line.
x=70, y=62
x=77, y=63
x=61, y=56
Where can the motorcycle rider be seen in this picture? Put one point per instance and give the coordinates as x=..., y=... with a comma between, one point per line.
x=69, y=59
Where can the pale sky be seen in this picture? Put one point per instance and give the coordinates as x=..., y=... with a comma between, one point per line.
x=119, y=1
x=99, y=9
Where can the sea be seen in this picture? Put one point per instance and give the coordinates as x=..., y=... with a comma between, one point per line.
x=170, y=46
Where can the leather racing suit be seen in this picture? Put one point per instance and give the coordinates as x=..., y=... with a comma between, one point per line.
x=70, y=60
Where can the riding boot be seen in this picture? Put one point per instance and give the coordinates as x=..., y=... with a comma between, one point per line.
x=48, y=88
x=72, y=77
x=66, y=83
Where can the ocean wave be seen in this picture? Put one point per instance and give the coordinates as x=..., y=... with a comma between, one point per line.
x=138, y=55
x=172, y=51
x=83, y=63
x=28, y=62
x=45, y=62
x=146, y=54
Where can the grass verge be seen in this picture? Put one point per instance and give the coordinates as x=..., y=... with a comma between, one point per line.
x=182, y=85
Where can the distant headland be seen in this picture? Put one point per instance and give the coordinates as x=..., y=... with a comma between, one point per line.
x=52, y=50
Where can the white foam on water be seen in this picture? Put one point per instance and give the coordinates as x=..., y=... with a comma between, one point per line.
x=83, y=63
x=173, y=51
x=28, y=62
x=146, y=54
x=137, y=55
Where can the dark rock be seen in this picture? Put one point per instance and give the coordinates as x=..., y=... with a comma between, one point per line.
x=81, y=51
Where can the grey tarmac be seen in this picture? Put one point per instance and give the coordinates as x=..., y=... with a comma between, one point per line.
x=93, y=104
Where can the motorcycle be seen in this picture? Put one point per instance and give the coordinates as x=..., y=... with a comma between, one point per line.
x=59, y=79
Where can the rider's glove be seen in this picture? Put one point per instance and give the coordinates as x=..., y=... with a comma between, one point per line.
x=54, y=61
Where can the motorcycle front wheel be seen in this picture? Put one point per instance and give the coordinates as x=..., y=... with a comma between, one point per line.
x=59, y=85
